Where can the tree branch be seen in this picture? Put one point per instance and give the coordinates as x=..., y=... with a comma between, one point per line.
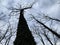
x=53, y=18
x=56, y=34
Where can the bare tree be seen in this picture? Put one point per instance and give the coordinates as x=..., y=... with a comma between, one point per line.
x=45, y=29
x=24, y=35
x=55, y=33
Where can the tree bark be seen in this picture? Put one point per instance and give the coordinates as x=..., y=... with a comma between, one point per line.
x=24, y=35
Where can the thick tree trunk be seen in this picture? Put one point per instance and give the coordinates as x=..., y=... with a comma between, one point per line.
x=24, y=36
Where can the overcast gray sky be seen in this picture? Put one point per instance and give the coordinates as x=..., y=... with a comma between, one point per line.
x=48, y=7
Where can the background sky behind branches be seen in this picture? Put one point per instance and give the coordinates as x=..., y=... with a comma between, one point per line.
x=48, y=7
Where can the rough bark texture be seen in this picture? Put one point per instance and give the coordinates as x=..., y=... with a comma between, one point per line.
x=24, y=36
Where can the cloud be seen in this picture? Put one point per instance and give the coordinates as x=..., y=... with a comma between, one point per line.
x=54, y=11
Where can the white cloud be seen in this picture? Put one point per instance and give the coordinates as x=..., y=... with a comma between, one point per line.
x=54, y=11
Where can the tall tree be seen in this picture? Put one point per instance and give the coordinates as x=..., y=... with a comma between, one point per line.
x=24, y=35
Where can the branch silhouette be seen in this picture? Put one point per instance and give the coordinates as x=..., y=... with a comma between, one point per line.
x=56, y=34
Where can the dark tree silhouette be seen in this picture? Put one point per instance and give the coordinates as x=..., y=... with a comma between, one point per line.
x=53, y=32
x=24, y=35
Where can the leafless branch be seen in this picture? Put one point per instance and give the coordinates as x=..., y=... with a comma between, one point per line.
x=52, y=18
x=56, y=34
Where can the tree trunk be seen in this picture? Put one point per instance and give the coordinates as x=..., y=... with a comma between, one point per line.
x=24, y=35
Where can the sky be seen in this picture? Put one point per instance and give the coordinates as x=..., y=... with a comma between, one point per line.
x=48, y=7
